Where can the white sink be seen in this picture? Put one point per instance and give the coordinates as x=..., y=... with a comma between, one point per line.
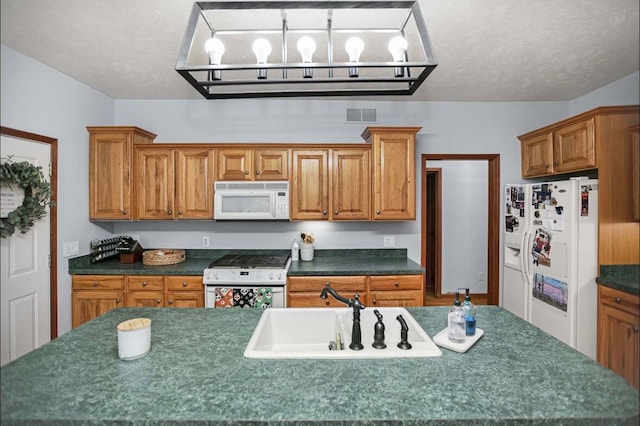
x=285, y=333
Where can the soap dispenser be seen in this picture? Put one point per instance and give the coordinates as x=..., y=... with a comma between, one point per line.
x=456, y=326
x=469, y=315
x=295, y=251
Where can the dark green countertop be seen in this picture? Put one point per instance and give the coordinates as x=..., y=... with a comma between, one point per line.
x=621, y=277
x=195, y=372
x=325, y=262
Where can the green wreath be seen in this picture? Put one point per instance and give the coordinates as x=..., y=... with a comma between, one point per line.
x=37, y=195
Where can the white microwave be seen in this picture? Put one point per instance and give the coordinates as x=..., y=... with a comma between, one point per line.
x=239, y=200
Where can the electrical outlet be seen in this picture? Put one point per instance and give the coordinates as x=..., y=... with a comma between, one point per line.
x=205, y=241
x=389, y=241
x=70, y=248
x=480, y=276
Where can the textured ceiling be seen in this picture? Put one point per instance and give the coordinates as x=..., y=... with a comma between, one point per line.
x=489, y=50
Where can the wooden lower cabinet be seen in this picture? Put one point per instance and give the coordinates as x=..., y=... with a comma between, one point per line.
x=145, y=291
x=374, y=291
x=93, y=295
x=618, y=323
x=184, y=291
x=304, y=292
x=398, y=290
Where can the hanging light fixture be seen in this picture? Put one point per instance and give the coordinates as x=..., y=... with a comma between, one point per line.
x=313, y=28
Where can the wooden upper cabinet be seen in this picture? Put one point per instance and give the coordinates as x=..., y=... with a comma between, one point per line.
x=574, y=147
x=394, y=172
x=271, y=164
x=111, y=170
x=155, y=189
x=194, y=183
x=537, y=155
x=351, y=184
x=253, y=164
x=174, y=183
x=560, y=149
x=309, y=192
x=634, y=133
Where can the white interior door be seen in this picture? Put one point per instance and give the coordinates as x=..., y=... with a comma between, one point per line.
x=25, y=287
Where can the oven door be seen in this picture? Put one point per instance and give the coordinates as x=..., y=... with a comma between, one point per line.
x=247, y=296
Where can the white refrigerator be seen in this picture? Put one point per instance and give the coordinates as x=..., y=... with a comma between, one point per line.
x=550, y=258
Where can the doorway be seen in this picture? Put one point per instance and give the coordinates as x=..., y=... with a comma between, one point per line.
x=29, y=271
x=432, y=232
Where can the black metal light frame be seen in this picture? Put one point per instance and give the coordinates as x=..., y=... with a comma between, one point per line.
x=275, y=86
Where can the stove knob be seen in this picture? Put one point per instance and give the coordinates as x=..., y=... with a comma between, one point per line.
x=207, y=276
x=216, y=276
x=279, y=275
x=270, y=275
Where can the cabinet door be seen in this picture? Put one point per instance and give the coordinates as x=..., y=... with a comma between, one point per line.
x=351, y=185
x=110, y=176
x=194, y=183
x=271, y=164
x=618, y=324
x=89, y=304
x=234, y=164
x=537, y=155
x=145, y=299
x=185, y=299
x=574, y=147
x=310, y=185
x=620, y=346
x=394, y=187
x=155, y=187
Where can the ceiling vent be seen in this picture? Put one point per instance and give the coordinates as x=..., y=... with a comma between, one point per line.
x=362, y=115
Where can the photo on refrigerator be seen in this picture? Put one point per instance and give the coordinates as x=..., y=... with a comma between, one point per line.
x=551, y=291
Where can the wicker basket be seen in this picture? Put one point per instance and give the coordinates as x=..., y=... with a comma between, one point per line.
x=163, y=257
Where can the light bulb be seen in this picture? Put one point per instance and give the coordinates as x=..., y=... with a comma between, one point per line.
x=262, y=50
x=397, y=47
x=215, y=50
x=306, y=47
x=354, y=47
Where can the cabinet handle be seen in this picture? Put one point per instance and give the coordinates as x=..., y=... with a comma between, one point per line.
x=180, y=212
x=144, y=283
x=374, y=301
x=326, y=302
x=117, y=301
x=618, y=300
x=335, y=212
x=396, y=283
x=246, y=172
x=635, y=329
x=95, y=283
x=555, y=163
x=169, y=212
x=158, y=301
x=324, y=212
x=257, y=172
x=124, y=212
x=171, y=301
x=184, y=284
x=546, y=166
x=327, y=283
x=377, y=211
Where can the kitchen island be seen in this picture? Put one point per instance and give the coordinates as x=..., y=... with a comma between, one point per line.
x=196, y=372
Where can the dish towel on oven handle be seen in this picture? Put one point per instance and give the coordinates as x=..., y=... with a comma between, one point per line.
x=243, y=297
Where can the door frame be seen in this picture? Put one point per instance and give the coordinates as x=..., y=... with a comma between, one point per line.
x=53, y=214
x=493, y=224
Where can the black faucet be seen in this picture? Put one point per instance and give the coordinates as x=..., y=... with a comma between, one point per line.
x=356, y=333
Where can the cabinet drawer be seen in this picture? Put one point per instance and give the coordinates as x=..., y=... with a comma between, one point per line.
x=316, y=284
x=192, y=283
x=313, y=300
x=97, y=282
x=145, y=282
x=619, y=299
x=396, y=282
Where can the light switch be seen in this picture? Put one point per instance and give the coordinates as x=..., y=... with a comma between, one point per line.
x=70, y=248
